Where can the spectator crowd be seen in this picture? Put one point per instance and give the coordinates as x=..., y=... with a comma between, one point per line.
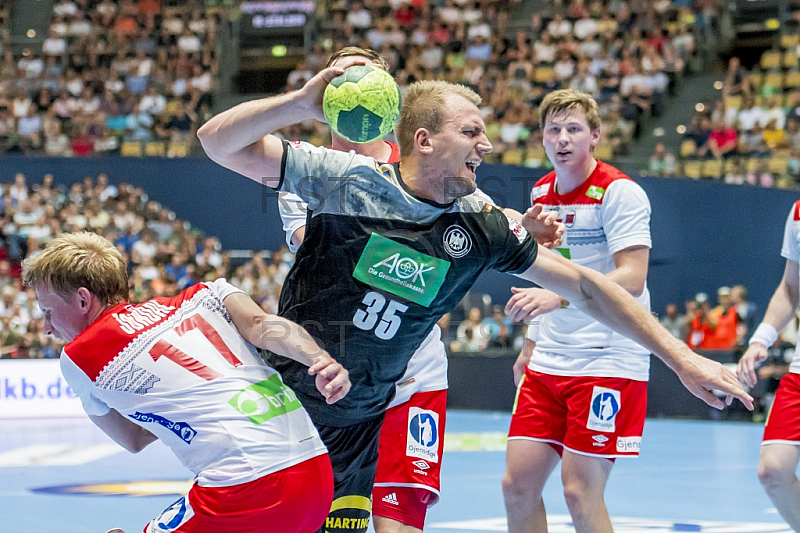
x=727, y=326
x=629, y=55
x=164, y=254
x=110, y=72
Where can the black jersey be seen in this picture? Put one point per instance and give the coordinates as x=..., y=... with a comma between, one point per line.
x=378, y=267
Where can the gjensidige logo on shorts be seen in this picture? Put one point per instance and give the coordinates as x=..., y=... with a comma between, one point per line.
x=265, y=400
x=175, y=515
x=628, y=444
x=400, y=270
x=423, y=434
x=603, y=409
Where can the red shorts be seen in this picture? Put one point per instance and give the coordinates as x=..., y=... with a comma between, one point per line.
x=411, y=444
x=596, y=416
x=783, y=422
x=294, y=500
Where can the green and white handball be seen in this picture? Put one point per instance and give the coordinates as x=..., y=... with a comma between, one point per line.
x=363, y=104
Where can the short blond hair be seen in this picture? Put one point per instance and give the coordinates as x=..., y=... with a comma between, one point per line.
x=75, y=260
x=424, y=107
x=357, y=51
x=567, y=101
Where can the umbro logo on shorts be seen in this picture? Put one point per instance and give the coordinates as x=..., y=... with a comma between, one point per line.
x=421, y=464
x=391, y=498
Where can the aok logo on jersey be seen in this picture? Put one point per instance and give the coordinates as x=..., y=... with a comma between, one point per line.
x=603, y=410
x=265, y=400
x=423, y=434
x=400, y=270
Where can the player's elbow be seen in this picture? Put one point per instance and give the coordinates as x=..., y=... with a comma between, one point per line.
x=139, y=441
x=205, y=134
x=637, y=289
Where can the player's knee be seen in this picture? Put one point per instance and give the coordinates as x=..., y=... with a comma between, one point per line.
x=580, y=498
x=514, y=487
x=773, y=475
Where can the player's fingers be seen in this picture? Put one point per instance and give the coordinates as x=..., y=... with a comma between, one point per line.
x=338, y=393
x=536, y=210
x=748, y=371
x=737, y=392
x=337, y=381
x=709, y=397
x=317, y=366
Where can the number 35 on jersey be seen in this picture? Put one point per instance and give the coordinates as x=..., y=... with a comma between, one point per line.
x=399, y=270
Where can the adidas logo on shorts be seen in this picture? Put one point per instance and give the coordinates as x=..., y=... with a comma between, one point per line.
x=391, y=498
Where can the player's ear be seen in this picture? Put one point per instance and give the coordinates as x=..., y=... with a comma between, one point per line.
x=85, y=298
x=422, y=141
x=595, y=137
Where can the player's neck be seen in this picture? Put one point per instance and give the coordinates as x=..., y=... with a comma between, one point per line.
x=569, y=178
x=422, y=185
x=379, y=150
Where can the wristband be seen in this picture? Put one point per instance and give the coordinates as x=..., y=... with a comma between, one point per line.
x=765, y=334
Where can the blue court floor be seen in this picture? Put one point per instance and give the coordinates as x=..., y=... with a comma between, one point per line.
x=65, y=476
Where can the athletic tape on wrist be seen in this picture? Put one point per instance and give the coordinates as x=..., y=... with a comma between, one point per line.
x=765, y=334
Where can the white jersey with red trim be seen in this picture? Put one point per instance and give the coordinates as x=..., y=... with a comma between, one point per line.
x=179, y=368
x=791, y=251
x=608, y=213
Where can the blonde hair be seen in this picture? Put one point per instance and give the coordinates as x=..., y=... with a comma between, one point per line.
x=567, y=101
x=357, y=51
x=75, y=260
x=424, y=107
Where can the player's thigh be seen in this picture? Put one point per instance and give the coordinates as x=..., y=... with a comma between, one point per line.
x=354, y=456
x=282, y=501
x=412, y=443
x=529, y=463
x=540, y=410
x=783, y=422
x=606, y=416
x=778, y=459
x=584, y=473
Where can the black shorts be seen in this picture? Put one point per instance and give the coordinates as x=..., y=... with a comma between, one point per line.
x=354, y=456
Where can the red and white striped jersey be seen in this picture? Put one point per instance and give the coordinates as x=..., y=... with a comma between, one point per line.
x=179, y=368
x=608, y=213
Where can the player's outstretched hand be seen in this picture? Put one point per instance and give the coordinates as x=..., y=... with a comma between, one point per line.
x=746, y=369
x=333, y=380
x=703, y=376
x=526, y=304
x=544, y=226
x=314, y=88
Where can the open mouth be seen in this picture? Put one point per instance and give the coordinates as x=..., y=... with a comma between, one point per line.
x=472, y=165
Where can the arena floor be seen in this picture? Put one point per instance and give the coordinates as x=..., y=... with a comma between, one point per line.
x=65, y=476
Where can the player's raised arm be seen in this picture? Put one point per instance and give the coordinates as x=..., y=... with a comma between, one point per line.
x=240, y=138
x=607, y=302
